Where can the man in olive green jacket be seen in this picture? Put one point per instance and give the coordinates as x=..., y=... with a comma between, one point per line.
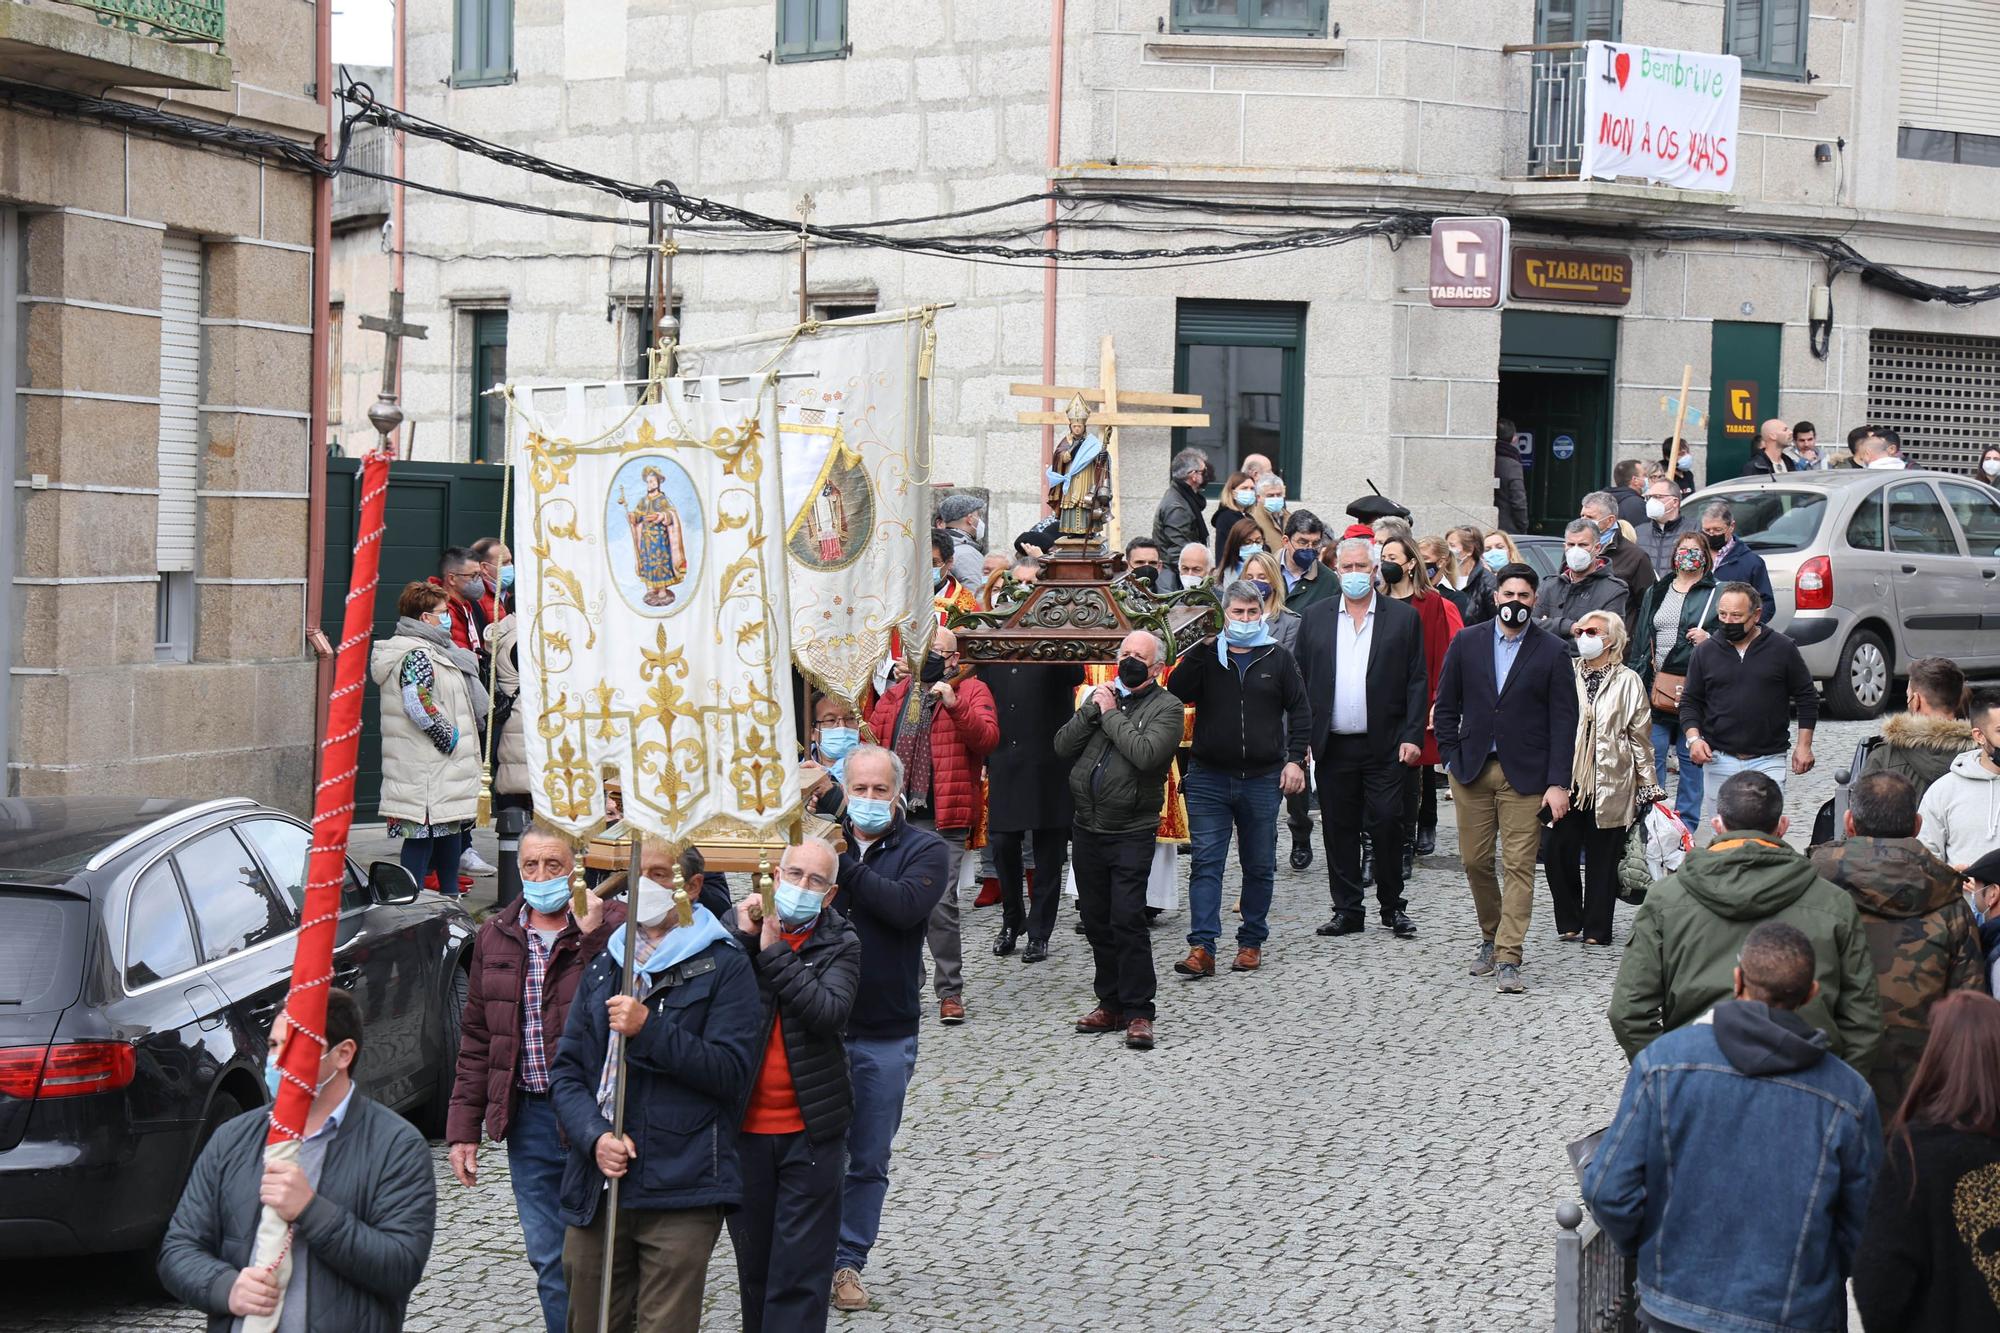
x=1682, y=955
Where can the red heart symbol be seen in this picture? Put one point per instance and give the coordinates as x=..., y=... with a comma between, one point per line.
x=1623, y=64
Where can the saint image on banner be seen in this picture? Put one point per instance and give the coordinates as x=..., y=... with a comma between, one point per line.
x=664, y=546
x=834, y=527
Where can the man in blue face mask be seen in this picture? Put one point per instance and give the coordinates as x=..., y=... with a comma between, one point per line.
x=526, y=963
x=890, y=879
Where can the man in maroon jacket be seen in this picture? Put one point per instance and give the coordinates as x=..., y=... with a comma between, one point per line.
x=942, y=728
x=526, y=963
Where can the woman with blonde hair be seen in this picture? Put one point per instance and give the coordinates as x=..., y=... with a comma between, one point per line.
x=1498, y=551
x=1466, y=574
x=1239, y=497
x=1263, y=572
x=1611, y=780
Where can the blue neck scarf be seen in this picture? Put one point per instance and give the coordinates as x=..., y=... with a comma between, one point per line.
x=1223, y=643
x=676, y=946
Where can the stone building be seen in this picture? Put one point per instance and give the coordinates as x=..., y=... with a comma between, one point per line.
x=1182, y=118
x=156, y=315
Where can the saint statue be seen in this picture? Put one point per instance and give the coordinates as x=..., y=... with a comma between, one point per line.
x=1080, y=480
x=826, y=523
x=659, y=548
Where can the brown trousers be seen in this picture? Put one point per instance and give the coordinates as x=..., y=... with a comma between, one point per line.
x=1487, y=808
x=657, y=1273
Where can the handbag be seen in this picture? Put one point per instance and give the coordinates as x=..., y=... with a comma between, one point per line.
x=1666, y=684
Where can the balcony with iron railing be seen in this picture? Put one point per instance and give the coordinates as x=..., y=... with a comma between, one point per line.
x=115, y=43
x=359, y=200
x=1556, y=71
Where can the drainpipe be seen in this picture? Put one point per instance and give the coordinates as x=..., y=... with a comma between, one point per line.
x=317, y=380
x=401, y=149
x=1058, y=13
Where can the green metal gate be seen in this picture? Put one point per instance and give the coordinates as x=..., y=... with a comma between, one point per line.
x=431, y=506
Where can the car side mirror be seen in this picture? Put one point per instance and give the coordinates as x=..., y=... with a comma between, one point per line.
x=388, y=882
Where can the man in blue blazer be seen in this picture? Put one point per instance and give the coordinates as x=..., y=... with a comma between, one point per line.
x=1506, y=729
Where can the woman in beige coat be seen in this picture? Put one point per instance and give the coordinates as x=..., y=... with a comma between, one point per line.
x=1611, y=781
x=433, y=705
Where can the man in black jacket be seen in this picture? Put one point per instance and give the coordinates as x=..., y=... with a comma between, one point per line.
x=793, y=1143
x=1626, y=560
x=1505, y=718
x=361, y=1199
x=1177, y=521
x=1363, y=661
x=1744, y=682
x=1027, y=799
x=1249, y=723
x=891, y=876
x=1120, y=744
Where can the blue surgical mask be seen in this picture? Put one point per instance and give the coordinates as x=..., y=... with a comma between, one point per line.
x=1495, y=560
x=796, y=906
x=1604, y=537
x=937, y=577
x=1248, y=549
x=1245, y=497
x=835, y=742
x=870, y=815
x=273, y=1080
x=506, y=577
x=1275, y=503
x=1243, y=631
x=1356, y=585
x=546, y=895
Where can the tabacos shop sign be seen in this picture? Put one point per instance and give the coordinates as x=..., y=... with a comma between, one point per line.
x=1740, y=400
x=1667, y=117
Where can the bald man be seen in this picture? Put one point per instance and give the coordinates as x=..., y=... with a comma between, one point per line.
x=1768, y=457
x=1256, y=466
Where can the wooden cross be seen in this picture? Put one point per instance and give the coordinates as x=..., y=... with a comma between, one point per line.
x=395, y=330
x=1109, y=409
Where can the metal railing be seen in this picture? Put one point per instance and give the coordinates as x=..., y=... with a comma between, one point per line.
x=1593, y=1280
x=356, y=197
x=1556, y=72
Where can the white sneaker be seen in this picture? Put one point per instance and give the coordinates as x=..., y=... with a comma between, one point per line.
x=473, y=864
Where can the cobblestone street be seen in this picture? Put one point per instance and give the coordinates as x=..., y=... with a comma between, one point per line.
x=1360, y=1136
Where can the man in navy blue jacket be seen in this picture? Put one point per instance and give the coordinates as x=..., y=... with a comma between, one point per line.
x=692, y=1023
x=891, y=876
x=1506, y=728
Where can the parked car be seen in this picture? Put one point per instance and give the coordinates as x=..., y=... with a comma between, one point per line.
x=145, y=948
x=1872, y=570
x=1543, y=554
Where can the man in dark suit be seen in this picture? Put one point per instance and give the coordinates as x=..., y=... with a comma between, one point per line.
x=1362, y=656
x=1506, y=728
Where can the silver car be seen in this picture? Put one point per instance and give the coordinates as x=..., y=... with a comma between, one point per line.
x=1873, y=570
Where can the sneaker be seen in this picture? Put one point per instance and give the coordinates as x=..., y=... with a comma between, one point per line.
x=473, y=864
x=848, y=1293
x=1482, y=962
x=1508, y=982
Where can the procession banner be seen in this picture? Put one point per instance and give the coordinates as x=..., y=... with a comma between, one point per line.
x=855, y=442
x=653, y=604
x=1666, y=116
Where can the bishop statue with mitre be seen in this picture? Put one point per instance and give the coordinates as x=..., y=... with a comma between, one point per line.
x=1080, y=478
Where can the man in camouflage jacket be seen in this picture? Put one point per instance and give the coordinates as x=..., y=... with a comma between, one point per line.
x=1920, y=930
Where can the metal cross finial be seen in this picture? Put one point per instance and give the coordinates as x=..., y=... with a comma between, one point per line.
x=387, y=414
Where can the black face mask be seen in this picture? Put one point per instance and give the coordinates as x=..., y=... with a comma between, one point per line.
x=1736, y=631
x=1146, y=574
x=933, y=671
x=1132, y=673
x=1392, y=573
x=1512, y=613
x=1716, y=540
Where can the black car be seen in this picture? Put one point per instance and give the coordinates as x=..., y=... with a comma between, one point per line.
x=145, y=948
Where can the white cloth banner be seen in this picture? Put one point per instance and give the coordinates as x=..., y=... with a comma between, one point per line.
x=1667, y=116
x=652, y=601
x=855, y=442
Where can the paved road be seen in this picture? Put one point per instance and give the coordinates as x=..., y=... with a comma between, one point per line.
x=1359, y=1137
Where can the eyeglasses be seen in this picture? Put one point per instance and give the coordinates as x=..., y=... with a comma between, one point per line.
x=794, y=875
x=841, y=720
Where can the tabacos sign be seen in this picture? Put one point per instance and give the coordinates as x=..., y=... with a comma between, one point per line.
x=1668, y=117
x=1468, y=262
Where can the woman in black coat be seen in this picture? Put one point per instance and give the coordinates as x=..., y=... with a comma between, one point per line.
x=1027, y=796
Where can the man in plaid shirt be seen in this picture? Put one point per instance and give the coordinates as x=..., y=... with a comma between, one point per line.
x=526, y=963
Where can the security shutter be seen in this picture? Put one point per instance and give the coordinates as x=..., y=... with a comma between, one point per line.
x=1950, y=49
x=180, y=396
x=1941, y=391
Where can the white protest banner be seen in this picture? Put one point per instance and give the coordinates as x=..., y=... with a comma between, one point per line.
x=854, y=436
x=652, y=603
x=1666, y=116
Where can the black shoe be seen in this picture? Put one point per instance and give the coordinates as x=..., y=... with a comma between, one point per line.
x=1079, y=927
x=1409, y=861
x=1342, y=925
x=1003, y=944
x=1302, y=849
x=1037, y=951
x=1367, y=861
x=1405, y=928
x=1427, y=839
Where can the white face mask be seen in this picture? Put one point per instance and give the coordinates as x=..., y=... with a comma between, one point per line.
x=1589, y=647
x=1577, y=558
x=1193, y=580
x=1656, y=510
x=653, y=902
x=1991, y=467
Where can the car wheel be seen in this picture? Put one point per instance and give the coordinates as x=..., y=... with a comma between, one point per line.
x=1861, y=681
x=433, y=1121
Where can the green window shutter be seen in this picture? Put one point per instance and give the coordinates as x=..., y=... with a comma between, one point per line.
x=1769, y=36
x=1578, y=20
x=482, y=42
x=1251, y=353
x=489, y=367
x=1263, y=18
x=811, y=30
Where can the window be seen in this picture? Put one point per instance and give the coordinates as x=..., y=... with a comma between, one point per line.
x=1261, y=18
x=1864, y=530
x=173, y=618
x=1936, y=389
x=1777, y=521
x=812, y=30
x=1978, y=518
x=1917, y=525
x=1944, y=98
x=232, y=902
x=158, y=942
x=354, y=890
x=482, y=43
x=180, y=401
x=1966, y=150
x=1578, y=20
x=284, y=848
x=1769, y=36
x=1247, y=361
x=489, y=367
x=336, y=320
x=843, y=310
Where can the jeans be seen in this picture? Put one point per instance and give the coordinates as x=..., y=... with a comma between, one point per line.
x=535, y=1158
x=1111, y=874
x=1049, y=848
x=881, y=1069
x=1216, y=800
x=1722, y=767
x=1687, y=795
x=785, y=1232
x=421, y=856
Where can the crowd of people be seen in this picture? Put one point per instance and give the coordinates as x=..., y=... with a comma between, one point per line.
x=1783, y=1012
